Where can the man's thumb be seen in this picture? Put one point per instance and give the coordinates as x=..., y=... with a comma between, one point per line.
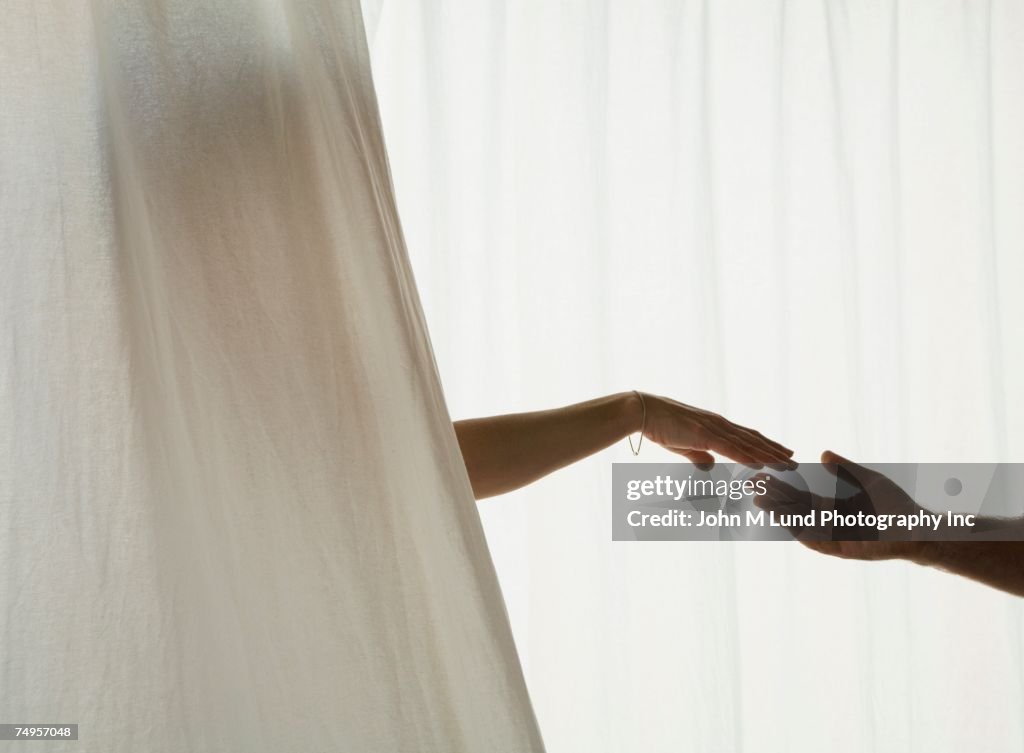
x=834, y=462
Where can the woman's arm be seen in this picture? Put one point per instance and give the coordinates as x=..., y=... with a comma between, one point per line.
x=503, y=453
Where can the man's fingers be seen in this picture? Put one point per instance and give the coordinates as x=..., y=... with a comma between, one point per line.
x=782, y=500
x=833, y=462
x=778, y=493
x=790, y=506
x=833, y=458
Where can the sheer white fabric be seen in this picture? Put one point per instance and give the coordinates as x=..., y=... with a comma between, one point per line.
x=233, y=514
x=804, y=215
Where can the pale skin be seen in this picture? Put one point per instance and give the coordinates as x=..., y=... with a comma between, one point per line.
x=999, y=564
x=503, y=453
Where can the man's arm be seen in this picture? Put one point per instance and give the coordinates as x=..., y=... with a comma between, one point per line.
x=503, y=453
x=999, y=564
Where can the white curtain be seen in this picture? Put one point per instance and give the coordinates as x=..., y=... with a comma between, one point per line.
x=804, y=215
x=233, y=513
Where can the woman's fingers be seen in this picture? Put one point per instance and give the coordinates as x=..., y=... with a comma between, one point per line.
x=733, y=448
x=703, y=460
x=762, y=438
x=753, y=447
x=759, y=440
x=761, y=450
x=682, y=427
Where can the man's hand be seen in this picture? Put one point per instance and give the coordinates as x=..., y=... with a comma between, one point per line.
x=876, y=494
x=999, y=564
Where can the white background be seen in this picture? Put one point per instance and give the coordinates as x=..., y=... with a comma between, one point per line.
x=804, y=215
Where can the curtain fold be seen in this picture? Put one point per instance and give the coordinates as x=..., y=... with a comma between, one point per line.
x=233, y=511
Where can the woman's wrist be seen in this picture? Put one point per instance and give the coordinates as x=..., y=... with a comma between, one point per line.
x=631, y=412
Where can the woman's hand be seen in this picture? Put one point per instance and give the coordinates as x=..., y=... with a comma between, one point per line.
x=503, y=453
x=695, y=433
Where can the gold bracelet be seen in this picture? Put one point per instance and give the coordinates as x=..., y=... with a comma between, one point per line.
x=643, y=425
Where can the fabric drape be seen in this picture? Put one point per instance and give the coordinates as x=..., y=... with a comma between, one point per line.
x=233, y=513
